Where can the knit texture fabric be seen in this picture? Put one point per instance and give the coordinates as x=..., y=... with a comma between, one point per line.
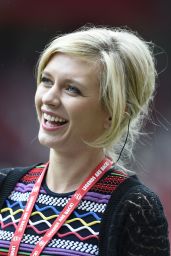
x=119, y=216
x=135, y=223
x=78, y=236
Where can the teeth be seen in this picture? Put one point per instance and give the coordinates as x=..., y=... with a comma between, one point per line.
x=52, y=118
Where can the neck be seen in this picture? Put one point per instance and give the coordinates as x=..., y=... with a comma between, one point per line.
x=66, y=173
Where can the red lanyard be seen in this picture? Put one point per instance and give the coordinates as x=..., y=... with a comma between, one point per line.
x=95, y=175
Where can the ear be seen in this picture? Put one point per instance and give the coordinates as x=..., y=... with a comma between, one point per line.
x=108, y=122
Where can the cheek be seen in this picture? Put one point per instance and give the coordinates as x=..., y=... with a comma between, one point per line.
x=88, y=113
x=37, y=100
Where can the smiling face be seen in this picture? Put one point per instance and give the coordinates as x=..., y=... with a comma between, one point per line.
x=68, y=105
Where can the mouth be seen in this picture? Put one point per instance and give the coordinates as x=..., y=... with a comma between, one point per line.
x=51, y=122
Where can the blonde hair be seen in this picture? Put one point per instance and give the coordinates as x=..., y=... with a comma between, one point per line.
x=127, y=79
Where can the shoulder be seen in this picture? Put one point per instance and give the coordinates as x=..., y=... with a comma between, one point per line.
x=132, y=193
x=15, y=171
x=139, y=221
x=142, y=209
x=136, y=200
x=9, y=178
x=4, y=173
x=141, y=197
x=145, y=224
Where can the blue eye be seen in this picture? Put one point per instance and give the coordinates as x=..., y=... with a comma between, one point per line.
x=46, y=80
x=73, y=90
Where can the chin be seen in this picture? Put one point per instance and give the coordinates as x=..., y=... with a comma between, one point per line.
x=45, y=140
x=49, y=142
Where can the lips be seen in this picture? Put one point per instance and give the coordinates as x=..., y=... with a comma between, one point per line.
x=52, y=122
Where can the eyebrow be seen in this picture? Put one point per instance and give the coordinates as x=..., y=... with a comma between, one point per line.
x=45, y=73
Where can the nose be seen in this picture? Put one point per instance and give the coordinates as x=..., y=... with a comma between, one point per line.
x=51, y=97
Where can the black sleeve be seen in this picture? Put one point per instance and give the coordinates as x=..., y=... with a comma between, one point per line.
x=142, y=225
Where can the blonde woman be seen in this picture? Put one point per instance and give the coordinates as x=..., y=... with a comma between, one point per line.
x=94, y=87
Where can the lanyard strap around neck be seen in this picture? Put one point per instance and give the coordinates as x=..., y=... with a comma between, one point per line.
x=88, y=183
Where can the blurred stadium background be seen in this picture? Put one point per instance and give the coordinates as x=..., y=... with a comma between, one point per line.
x=25, y=28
